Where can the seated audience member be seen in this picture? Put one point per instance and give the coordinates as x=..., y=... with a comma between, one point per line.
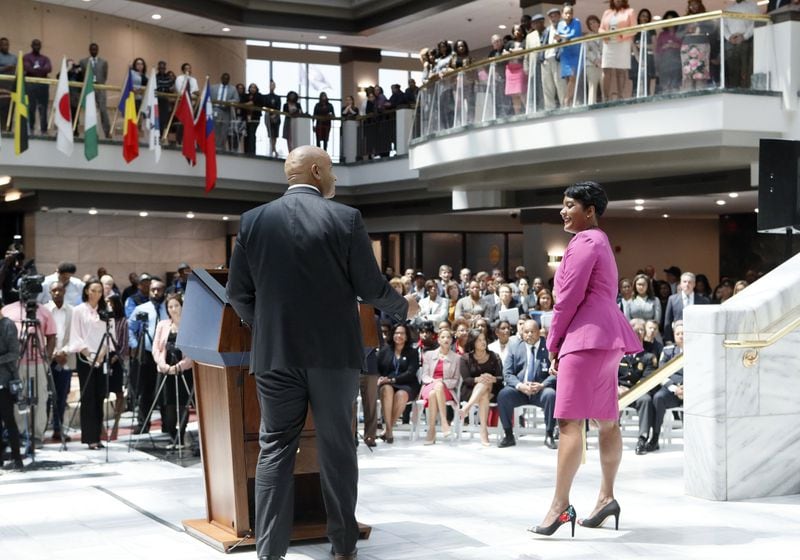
x=453, y=294
x=399, y=287
x=503, y=340
x=398, y=363
x=427, y=339
x=482, y=379
x=670, y=395
x=418, y=287
x=543, y=314
x=507, y=308
x=632, y=369
x=461, y=329
x=644, y=304
x=108, y=285
x=481, y=324
x=739, y=286
x=527, y=299
x=441, y=372
x=472, y=305
x=652, y=342
x=433, y=307
x=526, y=371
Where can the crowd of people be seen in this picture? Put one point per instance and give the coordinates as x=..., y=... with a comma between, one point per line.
x=677, y=58
x=116, y=340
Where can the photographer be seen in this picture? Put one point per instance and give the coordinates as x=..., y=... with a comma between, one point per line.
x=141, y=330
x=10, y=272
x=9, y=355
x=31, y=361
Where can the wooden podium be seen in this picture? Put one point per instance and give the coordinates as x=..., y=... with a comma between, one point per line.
x=229, y=418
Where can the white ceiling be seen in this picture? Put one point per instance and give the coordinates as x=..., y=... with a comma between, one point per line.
x=474, y=22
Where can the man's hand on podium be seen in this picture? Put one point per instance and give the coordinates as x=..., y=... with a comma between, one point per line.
x=413, y=306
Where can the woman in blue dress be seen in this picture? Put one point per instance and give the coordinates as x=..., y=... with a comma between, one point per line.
x=569, y=28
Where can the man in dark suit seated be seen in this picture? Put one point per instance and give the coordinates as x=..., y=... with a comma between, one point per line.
x=679, y=301
x=528, y=381
x=670, y=395
x=632, y=369
x=282, y=251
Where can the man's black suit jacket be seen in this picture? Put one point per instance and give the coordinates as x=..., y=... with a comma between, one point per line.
x=298, y=264
x=674, y=311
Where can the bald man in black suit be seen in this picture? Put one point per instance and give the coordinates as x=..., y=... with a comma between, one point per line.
x=296, y=258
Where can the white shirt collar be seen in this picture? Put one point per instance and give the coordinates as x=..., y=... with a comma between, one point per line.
x=304, y=185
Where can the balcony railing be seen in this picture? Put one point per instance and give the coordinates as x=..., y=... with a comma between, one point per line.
x=668, y=57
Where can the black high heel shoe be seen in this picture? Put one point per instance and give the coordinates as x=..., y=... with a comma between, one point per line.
x=568, y=515
x=611, y=508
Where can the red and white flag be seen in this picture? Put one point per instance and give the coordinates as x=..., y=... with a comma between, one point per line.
x=63, y=112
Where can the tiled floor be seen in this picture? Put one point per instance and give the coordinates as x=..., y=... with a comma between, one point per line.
x=448, y=501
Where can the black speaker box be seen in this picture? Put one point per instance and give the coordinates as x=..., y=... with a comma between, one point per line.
x=778, y=184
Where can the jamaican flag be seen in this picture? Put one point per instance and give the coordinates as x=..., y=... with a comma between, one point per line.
x=20, y=99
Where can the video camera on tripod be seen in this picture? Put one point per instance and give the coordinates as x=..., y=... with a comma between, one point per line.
x=30, y=287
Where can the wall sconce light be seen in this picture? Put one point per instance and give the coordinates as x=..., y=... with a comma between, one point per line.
x=553, y=260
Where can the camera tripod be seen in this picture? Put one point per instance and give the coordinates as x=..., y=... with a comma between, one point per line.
x=34, y=358
x=136, y=383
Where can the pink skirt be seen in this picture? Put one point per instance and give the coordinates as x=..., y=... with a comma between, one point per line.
x=587, y=385
x=516, y=80
x=428, y=389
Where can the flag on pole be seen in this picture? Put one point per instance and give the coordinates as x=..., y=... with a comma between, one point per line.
x=185, y=116
x=20, y=99
x=130, y=130
x=63, y=112
x=151, y=116
x=89, y=116
x=204, y=133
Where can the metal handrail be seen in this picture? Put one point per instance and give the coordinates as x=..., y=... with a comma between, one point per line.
x=773, y=338
x=651, y=381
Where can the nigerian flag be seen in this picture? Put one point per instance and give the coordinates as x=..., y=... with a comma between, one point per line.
x=89, y=116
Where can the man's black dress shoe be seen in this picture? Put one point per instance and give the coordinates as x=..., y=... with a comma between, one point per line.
x=641, y=447
x=507, y=441
x=351, y=556
x=652, y=446
x=550, y=442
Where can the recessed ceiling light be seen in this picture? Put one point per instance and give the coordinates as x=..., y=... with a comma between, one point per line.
x=501, y=26
x=638, y=207
x=190, y=215
x=665, y=215
x=225, y=218
x=733, y=195
x=226, y=29
x=721, y=202
x=143, y=214
x=756, y=210
x=323, y=37
x=639, y=201
x=4, y=180
x=155, y=16
x=12, y=195
x=92, y=211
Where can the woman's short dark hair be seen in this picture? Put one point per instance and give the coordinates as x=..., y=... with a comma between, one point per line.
x=669, y=14
x=448, y=48
x=430, y=284
x=644, y=11
x=469, y=347
x=589, y=193
x=407, y=330
x=463, y=42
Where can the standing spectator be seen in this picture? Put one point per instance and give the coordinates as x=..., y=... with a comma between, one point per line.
x=552, y=85
x=531, y=63
x=411, y=92
x=74, y=74
x=644, y=304
x=224, y=93
x=668, y=57
x=350, y=111
x=73, y=288
x=100, y=75
x=256, y=101
x=569, y=28
x=86, y=334
x=323, y=113
x=140, y=295
x=616, y=50
x=9, y=356
x=63, y=362
x=133, y=278
x=497, y=88
x=293, y=109
x=516, y=83
x=179, y=283
x=119, y=357
x=186, y=80
x=37, y=65
x=739, y=44
x=272, y=119
x=594, y=56
x=648, y=83
x=680, y=301
x=164, y=84
x=238, y=125
x=8, y=65
x=696, y=49
x=139, y=78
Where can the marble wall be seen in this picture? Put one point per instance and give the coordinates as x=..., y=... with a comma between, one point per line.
x=742, y=424
x=125, y=244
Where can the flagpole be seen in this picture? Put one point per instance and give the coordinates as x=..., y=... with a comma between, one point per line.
x=80, y=103
x=11, y=108
x=174, y=108
x=116, y=113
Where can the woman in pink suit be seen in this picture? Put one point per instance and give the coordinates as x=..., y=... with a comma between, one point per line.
x=587, y=337
x=441, y=372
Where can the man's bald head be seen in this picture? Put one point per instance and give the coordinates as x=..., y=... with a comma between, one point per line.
x=310, y=165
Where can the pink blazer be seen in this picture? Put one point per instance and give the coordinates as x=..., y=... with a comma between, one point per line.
x=586, y=315
x=160, y=348
x=625, y=18
x=452, y=368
